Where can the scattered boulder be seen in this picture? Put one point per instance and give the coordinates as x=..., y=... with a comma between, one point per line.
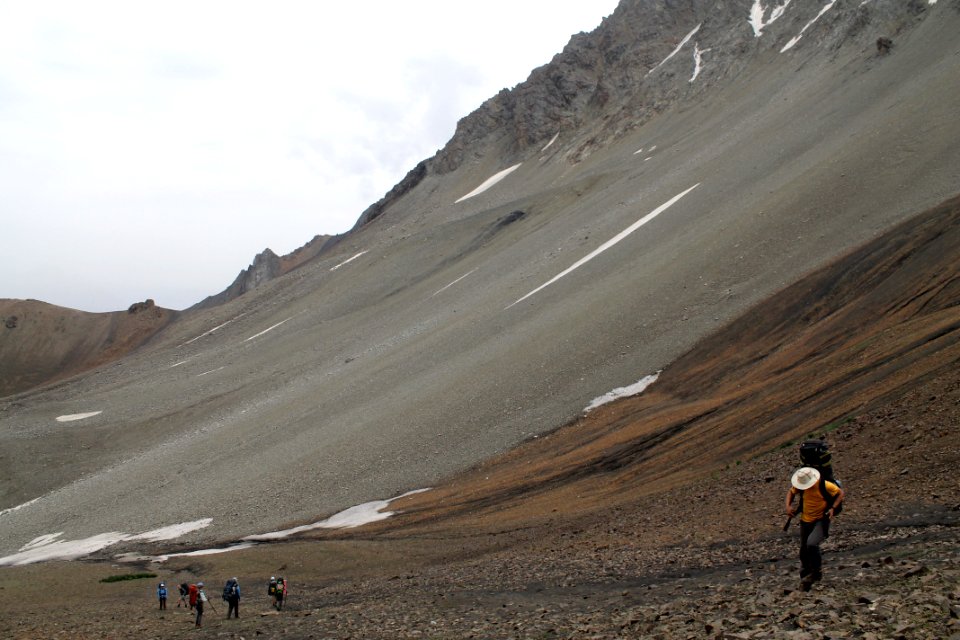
x=884, y=44
x=11, y=322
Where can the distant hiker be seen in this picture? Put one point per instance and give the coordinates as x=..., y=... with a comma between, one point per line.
x=820, y=500
x=279, y=593
x=162, y=595
x=192, y=591
x=231, y=593
x=184, y=592
x=201, y=600
x=884, y=44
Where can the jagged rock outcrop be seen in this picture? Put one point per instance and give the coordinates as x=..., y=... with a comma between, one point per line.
x=141, y=307
x=266, y=266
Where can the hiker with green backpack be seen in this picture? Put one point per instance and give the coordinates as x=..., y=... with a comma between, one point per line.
x=820, y=501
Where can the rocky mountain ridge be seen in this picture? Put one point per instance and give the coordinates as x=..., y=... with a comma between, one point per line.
x=647, y=57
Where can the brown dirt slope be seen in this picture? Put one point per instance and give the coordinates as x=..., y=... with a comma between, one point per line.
x=41, y=343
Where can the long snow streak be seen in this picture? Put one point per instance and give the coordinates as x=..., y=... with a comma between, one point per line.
x=78, y=416
x=219, y=326
x=552, y=140
x=492, y=180
x=757, y=12
x=257, y=335
x=677, y=49
x=796, y=38
x=609, y=243
x=442, y=289
x=348, y=260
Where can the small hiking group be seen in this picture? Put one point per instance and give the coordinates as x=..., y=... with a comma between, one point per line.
x=821, y=499
x=194, y=597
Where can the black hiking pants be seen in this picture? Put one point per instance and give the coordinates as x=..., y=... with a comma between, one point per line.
x=233, y=606
x=811, y=535
x=199, y=612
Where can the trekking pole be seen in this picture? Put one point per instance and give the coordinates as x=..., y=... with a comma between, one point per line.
x=786, y=525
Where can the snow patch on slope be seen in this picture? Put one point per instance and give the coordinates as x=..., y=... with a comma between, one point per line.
x=489, y=182
x=346, y=519
x=78, y=416
x=50, y=547
x=697, y=60
x=622, y=392
x=757, y=12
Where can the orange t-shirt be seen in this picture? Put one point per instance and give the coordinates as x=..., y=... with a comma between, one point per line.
x=814, y=505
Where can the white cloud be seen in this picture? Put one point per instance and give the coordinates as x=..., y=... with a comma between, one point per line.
x=152, y=150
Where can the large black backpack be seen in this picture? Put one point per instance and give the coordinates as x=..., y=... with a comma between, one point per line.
x=816, y=454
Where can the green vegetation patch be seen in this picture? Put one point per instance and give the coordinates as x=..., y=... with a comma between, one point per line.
x=128, y=576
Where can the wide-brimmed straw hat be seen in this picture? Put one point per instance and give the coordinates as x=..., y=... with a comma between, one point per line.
x=804, y=478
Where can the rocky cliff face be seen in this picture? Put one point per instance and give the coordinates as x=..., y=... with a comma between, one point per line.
x=647, y=57
x=652, y=54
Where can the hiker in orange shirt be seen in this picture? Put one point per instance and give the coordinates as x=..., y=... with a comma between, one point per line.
x=820, y=500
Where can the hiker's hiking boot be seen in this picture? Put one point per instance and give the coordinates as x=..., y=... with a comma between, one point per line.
x=806, y=583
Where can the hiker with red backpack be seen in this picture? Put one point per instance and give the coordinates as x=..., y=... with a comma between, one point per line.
x=192, y=591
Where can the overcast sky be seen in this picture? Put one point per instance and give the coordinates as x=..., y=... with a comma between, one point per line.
x=152, y=149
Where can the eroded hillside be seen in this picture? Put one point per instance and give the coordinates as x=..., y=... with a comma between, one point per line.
x=41, y=343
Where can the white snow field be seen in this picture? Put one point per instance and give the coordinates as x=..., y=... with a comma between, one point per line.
x=50, y=547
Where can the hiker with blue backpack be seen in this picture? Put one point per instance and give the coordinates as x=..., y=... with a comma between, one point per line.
x=821, y=498
x=231, y=593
